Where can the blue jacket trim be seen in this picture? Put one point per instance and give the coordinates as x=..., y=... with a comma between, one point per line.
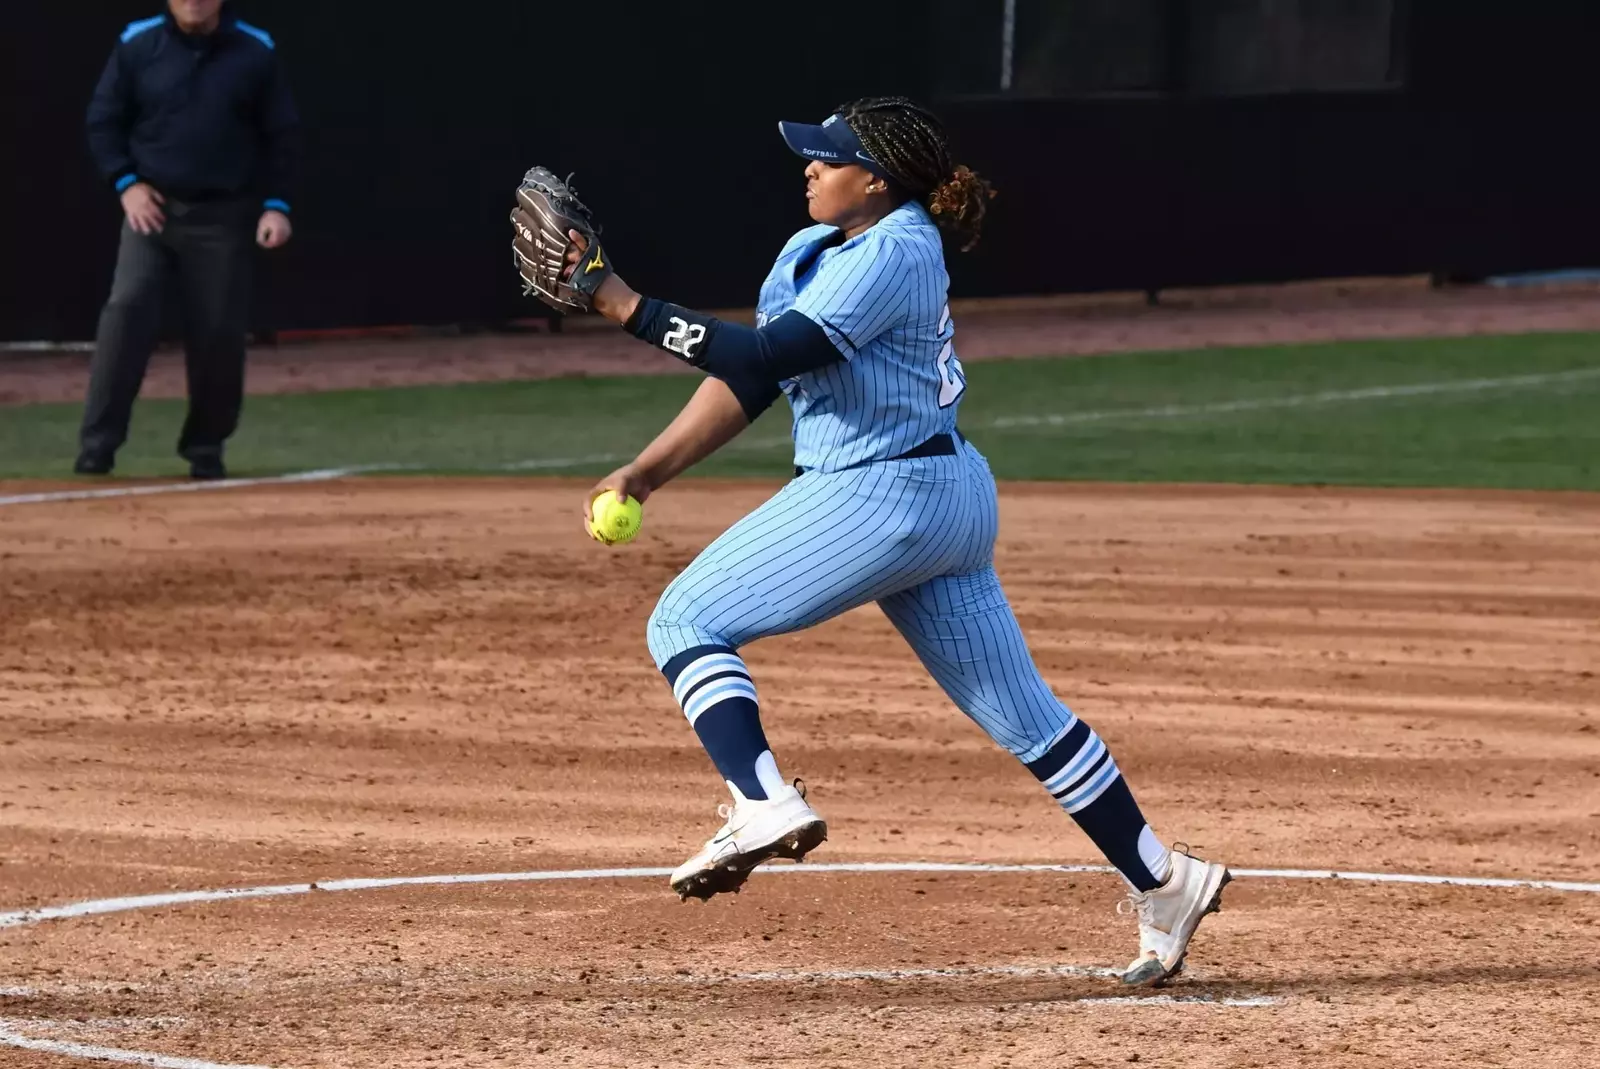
x=136, y=28
x=125, y=181
x=277, y=205
x=259, y=34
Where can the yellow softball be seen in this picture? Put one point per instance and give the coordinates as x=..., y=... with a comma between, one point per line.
x=612, y=521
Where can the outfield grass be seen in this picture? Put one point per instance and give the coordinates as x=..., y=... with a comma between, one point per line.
x=1279, y=414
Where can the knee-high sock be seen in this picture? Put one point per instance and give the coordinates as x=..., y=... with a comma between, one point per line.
x=1079, y=773
x=718, y=696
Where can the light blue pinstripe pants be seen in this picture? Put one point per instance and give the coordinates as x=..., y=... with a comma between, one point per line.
x=916, y=536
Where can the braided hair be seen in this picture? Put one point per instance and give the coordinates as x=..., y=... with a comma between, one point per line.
x=909, y=142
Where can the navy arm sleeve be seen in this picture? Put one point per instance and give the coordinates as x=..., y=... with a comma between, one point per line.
x=752, y=361
x=110, y=124
x=280, y=131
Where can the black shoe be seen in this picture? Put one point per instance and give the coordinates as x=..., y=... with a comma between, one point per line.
x=93, y=464
x=207, y=468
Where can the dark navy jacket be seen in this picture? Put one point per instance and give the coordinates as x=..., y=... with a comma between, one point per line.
x=197, y=117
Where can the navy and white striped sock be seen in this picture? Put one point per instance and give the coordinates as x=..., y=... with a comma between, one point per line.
x=718, y=696
x=1079, y=773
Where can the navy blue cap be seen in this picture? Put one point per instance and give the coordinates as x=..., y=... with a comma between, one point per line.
x=832, y=142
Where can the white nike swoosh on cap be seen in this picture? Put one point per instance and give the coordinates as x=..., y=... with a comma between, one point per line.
x=864, y=156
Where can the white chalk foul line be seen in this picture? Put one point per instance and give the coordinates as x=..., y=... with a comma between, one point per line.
x=1160, y=412
x=550, y=463
x=15, y=918
x=11, y=1038
x=1305, y=400
x=1054, y=419
x=193, y=486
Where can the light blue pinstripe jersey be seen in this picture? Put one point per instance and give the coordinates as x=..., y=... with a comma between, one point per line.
x=916, y=536
x=881, y=298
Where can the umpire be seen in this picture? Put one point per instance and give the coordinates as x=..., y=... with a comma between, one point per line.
x=193, y=126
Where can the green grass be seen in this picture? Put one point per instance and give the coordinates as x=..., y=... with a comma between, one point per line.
x=1110, y=422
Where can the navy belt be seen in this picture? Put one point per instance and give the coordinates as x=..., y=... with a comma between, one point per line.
x=940, y=445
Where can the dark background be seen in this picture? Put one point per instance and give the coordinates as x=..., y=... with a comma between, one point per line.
x=1141, y=144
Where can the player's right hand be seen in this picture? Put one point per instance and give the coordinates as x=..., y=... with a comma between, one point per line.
x=627, y=481
x=141, y=203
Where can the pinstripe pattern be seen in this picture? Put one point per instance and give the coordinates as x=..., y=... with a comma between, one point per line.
x=963, y=630
x=917, y=536
x=881, y=299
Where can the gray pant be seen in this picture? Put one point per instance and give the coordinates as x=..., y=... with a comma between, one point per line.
x=207, y=247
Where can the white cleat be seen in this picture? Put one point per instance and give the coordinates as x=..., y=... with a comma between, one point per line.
x=1169, y=915
x=756, y=831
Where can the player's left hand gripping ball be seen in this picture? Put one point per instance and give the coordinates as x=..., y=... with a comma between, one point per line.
x=548, y=212
x=612, y=521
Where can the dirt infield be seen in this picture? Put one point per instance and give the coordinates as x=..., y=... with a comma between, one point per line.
x=422, y=677
x=1019, y=327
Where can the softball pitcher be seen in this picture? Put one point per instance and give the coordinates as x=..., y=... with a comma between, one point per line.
x=889, y=503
